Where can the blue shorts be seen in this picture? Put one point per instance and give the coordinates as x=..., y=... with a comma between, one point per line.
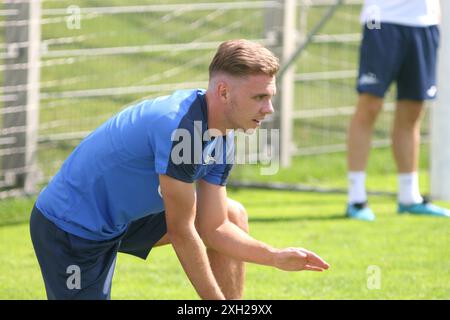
x=77, y=268
x=399, y=53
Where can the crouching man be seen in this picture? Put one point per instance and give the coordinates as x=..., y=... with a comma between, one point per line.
x=124, y=188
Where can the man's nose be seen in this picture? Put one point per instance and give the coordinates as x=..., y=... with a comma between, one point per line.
x=268, y=108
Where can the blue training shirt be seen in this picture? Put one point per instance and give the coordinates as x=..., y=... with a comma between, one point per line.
x=112, y=176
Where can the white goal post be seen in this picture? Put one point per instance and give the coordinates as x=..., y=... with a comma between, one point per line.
x=440, y=116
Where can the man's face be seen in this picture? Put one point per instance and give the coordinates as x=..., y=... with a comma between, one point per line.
x=250, y=101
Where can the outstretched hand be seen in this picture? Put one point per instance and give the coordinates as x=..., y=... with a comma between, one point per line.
x=297, y=259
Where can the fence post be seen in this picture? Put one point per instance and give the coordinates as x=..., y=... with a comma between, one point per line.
x=440, y=116
x=280, y=29
x=287, y=83
x=21, y=80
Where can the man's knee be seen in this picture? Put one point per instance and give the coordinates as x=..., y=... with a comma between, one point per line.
x=369, y=106
x=408, y=114
x=238, y=215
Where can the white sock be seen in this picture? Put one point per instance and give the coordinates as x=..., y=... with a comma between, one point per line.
x=408, y=188
x=357, y=187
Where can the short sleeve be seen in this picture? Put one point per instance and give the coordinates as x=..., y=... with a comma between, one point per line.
x=218, y=174
x=165, y=163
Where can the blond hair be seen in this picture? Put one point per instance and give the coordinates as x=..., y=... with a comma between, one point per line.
x=242, y=57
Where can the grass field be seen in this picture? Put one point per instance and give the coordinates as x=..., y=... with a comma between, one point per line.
x=411, y=252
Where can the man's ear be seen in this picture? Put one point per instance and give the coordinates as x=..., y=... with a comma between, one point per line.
x=223, y=91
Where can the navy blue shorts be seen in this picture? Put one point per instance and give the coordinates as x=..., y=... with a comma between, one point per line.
x=77, y=268
x=404, y=54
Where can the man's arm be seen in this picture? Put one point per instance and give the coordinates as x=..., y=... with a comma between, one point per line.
x=225, y=237
x=180, y=206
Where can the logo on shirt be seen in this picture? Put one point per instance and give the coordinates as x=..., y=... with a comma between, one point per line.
x=431, y=92
x=209, y=159
x=207, y=153
x=159, y=191
x=368, y=78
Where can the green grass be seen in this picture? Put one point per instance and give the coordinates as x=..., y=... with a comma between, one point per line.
x=412, y=252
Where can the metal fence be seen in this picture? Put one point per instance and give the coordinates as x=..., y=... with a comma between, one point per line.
x=68, y=66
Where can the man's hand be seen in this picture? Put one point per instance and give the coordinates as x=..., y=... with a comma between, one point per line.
x=297, y=259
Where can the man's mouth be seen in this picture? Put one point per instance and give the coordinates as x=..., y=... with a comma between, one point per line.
x=258, y=121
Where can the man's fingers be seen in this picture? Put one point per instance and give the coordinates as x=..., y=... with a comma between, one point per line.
x=315, y=260
x=312, y=268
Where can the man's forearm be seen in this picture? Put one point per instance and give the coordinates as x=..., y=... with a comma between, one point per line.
x=192, y=255
x=230, y=240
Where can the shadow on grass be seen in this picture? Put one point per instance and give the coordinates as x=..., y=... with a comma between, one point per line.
x=339, y=216
x=13, y=223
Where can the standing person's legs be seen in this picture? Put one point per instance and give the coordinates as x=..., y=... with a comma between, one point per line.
x=358, y=148
x=416, y=82
x=360, y=131
x=405, y=147
x=406, y=135
x=380, y=59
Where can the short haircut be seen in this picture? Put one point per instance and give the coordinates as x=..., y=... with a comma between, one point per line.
x=242, y=57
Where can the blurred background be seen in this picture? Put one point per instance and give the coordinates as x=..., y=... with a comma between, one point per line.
x=87, y=60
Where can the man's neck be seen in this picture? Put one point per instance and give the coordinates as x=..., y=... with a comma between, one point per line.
x=216, y=119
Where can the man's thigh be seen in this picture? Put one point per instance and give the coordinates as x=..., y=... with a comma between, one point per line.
x=144, y=234
x=381, y=56
x=72, y=267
